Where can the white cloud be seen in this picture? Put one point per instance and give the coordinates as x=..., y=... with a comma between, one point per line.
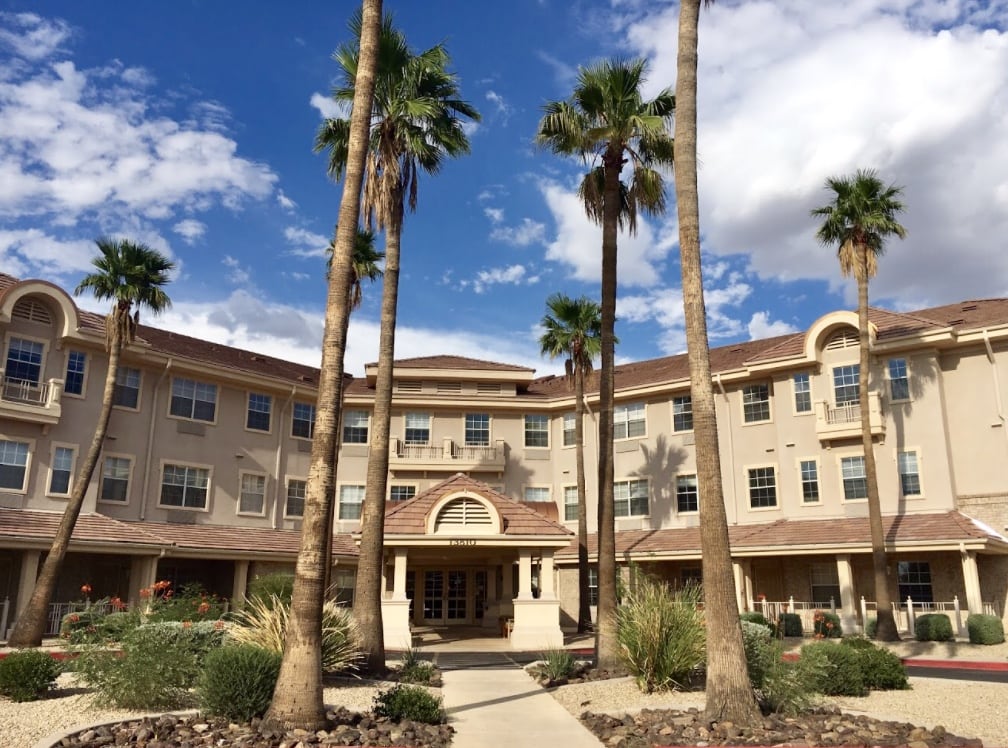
x=190, y=230
x=496, y=215
x=285, y=202
x=33, y=253
x=502, y=110
x=761, y=326
x=328, y=107
x=306, y=243
x=236, y=273
x=512, y=274
x=31, y=36
x=526, y=233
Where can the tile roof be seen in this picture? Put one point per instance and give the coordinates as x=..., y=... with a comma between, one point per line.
x=410, y=517
x=453, y=362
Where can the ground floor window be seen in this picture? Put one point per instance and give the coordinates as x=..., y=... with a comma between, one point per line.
x=914, y=579
x=344, y=581
x=825, y=584
x=593, y=585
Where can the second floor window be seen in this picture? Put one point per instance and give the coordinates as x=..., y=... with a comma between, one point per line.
x=682, y=413
x=762, y=488
x=570, y=504
x=61, y=471
x=537, y=493
x=569, y=430
x=809, y=481
x=855, y=481
x=899, y=380
x=24, y=360
x=756, y=403
x=687, y=495
x=355, y=427
x=185, y=486
x=13, y=465
x=401, y=492
x=295, y=498
x=259, y=408
x=536, y=430
x=802, y=393
x=628, y=421
x=417, y=429
x=631, y=498
x=194, y=400
x=351, y=498
x=303, y=421
x=127, y=388
x=74, y=382
x=115, y=479
x=253, y=494
x=845, y=384
x=477, y=430
x=909, y=474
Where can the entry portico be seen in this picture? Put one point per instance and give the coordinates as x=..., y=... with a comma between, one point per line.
x=462, y=553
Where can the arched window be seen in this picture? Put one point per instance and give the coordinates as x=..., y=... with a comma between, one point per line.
x=30, y=310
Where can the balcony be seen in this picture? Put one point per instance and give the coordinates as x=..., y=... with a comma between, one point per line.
x=448, y=457
x=35, y=402
x=844, y=421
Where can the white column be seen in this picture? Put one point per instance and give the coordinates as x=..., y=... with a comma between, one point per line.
x=971, y=580
x=524, y=574
x=384, y=579
x=26, y=580
x=740, y=596
x=239, y=584
x=399, y=575
x=547, y=591
x=845, y=577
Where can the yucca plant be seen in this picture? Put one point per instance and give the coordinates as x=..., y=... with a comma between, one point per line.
x=263, y=623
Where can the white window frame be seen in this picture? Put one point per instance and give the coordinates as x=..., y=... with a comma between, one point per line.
x=340, y=503
x=44, y=342
x=572, y=431
x=286, y=496
x=769, y=403
x=677, y=404
x=192, y=410
x=195, y=466
x=397, y=484
x=417, y=416
x=52, y=463
x=840, y=472
x=238, y=504
x=122, y=370
x=526, y=432
x=856, y=385
x=675, y=493
x=801, y=481
x=891, y=380
x=356, y=425
x=566, y=490
x=489, y=429
x=248, y=410
x=772, y=467
x=538, y=488
x=916, y=452
x=630, y=513
x=311, y=423
x=84, y=378
x=28, y=462
x=625, y=412
x=131, y=461
x=795, y=392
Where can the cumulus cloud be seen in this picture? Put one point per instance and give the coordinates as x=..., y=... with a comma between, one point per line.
x=30, y=36
x=190, y=230
x=502, y=110
x=285, y=202
x=306, y=243
x=236, y=273
x=32, y=252
x=510, y=275
x=525, y=233
x=761, y=326
x=328, y=107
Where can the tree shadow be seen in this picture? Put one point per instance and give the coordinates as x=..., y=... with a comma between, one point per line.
x=661, y=463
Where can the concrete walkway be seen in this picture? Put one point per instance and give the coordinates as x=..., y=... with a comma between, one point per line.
x=505, y=707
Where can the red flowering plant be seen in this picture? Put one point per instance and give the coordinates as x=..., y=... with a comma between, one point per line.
x=826, y=625
x=190, y=603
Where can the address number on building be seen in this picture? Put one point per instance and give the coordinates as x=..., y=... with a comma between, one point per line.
x=462, y=541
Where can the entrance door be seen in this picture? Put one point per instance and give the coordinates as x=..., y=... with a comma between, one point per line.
x=457, y=596
x=446, y=596
x=433, y=598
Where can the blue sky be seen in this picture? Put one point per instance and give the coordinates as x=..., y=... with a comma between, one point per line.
x=189, y=125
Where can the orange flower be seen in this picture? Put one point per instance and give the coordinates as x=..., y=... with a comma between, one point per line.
x=85, y=589
x=203, y=607
x=145, y=592
x=187, y=624
x=74, y=618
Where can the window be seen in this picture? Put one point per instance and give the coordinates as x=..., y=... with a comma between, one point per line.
x=628, y=421
x=344, y=580
x=802, y=393
x=855, y=482
x=193, y=400
x=756, y=403
x=909, y=473
x=682, y=413
x=115, y=479
x=570, y=504
x=303, y=421
x=593, y=585
x=914, y=579
x=825, y=583
x=477, y=430
x=537, y=493
x=61, y=470
x=127, y=388
x=845, y=384
x=417, y=428
x=73, y=382
x=252, y=499
x=536, y=430
x=686, y=494
x=259, y=407
x=355, y=427
x=401, y=492
x=762, y=488
x=809, y=481
x=13, y=465
x=24, y=360
x=294, y=507
x=569, y=430
x=899, y=381
x=350, y=500
x=631, y=498
x=184, y=486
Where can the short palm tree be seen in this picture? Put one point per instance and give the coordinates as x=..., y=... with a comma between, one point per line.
x=861, y=216
x=365, y=265
x=416, y=122
x=573, y=329
x=607, y=122
x=131, y=275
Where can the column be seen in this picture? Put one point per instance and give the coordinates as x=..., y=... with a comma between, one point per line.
x=547, y=590
x=26, y=580
x=524, y=574
x=845, y=577
x=239, y=584
x=395, y=608
x=740, y=597
x=971, y=580
x=399, y=575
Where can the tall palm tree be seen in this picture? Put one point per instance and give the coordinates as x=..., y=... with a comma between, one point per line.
x=861, y=216
x=297, y=698
x=131, y=275
x=729, y=693
x=607, y=122
x=415, y=124
x=573, y=328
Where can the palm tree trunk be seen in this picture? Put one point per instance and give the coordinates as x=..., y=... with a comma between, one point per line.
x=584, y=609
x=886, y=629
x=368, y=594
x=297, y=698
x=729, y=693
x=31, y=624
x=606, y=644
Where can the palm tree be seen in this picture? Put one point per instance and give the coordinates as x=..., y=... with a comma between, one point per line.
x=415, y=125
x=297, y=698
x=606, y=122
x=573, y=328
x=729, y=692
x=131, y=275
x=857, y=222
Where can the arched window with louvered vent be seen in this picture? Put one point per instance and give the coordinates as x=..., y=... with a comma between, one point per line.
x=846, y=337
x=465, y=515
x=30, y=310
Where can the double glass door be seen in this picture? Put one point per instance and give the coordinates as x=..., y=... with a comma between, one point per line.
x=445, y=596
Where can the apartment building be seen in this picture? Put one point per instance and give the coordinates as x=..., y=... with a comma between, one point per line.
x=203, y=472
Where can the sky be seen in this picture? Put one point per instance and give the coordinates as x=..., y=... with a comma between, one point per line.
x=189, y=126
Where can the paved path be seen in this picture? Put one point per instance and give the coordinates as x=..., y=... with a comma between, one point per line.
x=502, y=706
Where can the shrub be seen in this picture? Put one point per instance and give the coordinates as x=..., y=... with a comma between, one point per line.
x=985, y=629
x=413, y=669
x=115, y=626
x=264, y=624
x=190, y=603
x=278, y=585
x=409, y=702
x=661, y=634
x=871, y=628
x=883, y=670
x=557, y=663
x=754, y=617
x=81, y=626
x=826, y=625
x=790, y=687
x=237, y=682
x=790, y=624
x=28, y=674
x=760, y=651
x=933, y=627
x=838, y=669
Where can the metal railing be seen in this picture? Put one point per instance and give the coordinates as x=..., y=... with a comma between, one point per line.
x=845, y=413
x=57, y=611
x=25, y=391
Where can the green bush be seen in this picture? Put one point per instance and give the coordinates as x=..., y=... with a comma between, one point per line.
x=790, y=687
x=883, y=670
x=760, y=651
x=28, y=674
x=264, y=624
x=237, y=682
x=933, y=627
x=557, y=663
x=827, y=625
x=409, y=702
x=838, y=669
x=191, y=602
x=115, y=626
x=81, y=626
x=754, y=617
x=661, y=634
x=857, y=642
x=985, y=629
x=871, y=628
x=790, y=624
x=278, y=585
x=413, y=669
x=159, y=665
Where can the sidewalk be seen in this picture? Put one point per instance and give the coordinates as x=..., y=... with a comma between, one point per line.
x=505, y=707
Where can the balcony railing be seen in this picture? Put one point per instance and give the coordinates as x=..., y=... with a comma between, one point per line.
x=844, y=421
x=25, y=400
x=448, y=456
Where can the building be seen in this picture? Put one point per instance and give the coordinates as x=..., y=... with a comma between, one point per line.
x=204, y=468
